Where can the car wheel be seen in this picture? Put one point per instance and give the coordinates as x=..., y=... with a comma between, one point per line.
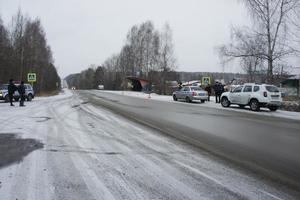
x=29, y=98
x=225, y=102
x=175, y=98
x=202, y=101
x=254, y=105
x=273, y=108
x=6, y=98
x=188, y=100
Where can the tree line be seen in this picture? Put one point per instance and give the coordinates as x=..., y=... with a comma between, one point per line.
x=23, y=50
x=147, y=53
x=263, y=49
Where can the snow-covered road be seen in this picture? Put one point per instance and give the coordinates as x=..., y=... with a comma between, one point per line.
x=92, y=153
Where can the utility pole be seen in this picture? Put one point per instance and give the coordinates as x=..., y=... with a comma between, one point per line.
x=22, y=54
x=223, y=71
x=21, y=62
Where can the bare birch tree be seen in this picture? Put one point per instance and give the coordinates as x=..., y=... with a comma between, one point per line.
x=147, y=53
x=167, y=58
x=273, y=25
x=17, y=38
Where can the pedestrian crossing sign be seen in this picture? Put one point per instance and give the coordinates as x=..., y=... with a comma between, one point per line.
x=205, y=80
x=31, y=77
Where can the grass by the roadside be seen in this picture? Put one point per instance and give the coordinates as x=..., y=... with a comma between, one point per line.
x=291, y=98
x=291, y=103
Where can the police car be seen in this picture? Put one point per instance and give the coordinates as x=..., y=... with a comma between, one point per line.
x=29, y=93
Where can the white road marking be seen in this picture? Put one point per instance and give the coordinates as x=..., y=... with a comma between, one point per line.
x=201, y=173
x=271, y=195
x=96, y=187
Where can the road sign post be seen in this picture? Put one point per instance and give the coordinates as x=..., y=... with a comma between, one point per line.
x=31, y=78
x=206, y=80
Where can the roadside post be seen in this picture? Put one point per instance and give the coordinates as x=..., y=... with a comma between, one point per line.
x=31, y=78
x=206, y=81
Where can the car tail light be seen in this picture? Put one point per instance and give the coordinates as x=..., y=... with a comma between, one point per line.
x=265, y=94
x=194, y=94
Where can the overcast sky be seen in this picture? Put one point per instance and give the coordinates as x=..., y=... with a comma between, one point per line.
x=84, y=32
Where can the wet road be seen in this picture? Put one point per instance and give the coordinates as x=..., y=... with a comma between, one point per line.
x=268, y=145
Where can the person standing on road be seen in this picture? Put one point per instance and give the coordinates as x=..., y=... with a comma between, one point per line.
x=218, y=92
x=179, y=85
x=208, y=90
x=219, y=89
x=11, y=90
x=21, y=90
x=222, y=88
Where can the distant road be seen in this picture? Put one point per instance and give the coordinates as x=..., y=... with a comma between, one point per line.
x=268, y=144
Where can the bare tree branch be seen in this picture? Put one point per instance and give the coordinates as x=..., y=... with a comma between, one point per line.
x=272, y=36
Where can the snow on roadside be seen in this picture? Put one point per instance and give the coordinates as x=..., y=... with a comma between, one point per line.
x=65, y=93
x=210, y=104
x=25, y=116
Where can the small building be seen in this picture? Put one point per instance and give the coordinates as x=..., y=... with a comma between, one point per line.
x=291, y=86
x=137, y=84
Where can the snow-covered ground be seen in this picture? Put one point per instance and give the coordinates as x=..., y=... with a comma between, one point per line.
x=91, y=153
x=211, y=104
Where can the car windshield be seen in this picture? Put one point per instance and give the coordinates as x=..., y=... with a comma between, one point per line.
x=196, y=88
x=271, y=88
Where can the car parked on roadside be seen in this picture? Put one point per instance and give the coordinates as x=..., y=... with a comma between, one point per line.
x=100, y=87
x=190, y=93
x=29, y=93
x=253, y=95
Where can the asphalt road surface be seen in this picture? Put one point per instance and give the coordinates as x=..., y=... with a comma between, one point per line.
x=266, y=144
x=77, y=148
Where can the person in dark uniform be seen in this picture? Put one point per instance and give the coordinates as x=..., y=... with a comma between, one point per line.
x=11, y=90
x=208, y=90
x=222, y=89
x=218, y=92
x=179, y=85
x=21, y=90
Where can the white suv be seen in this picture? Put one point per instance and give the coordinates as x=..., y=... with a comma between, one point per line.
x=254, y=95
